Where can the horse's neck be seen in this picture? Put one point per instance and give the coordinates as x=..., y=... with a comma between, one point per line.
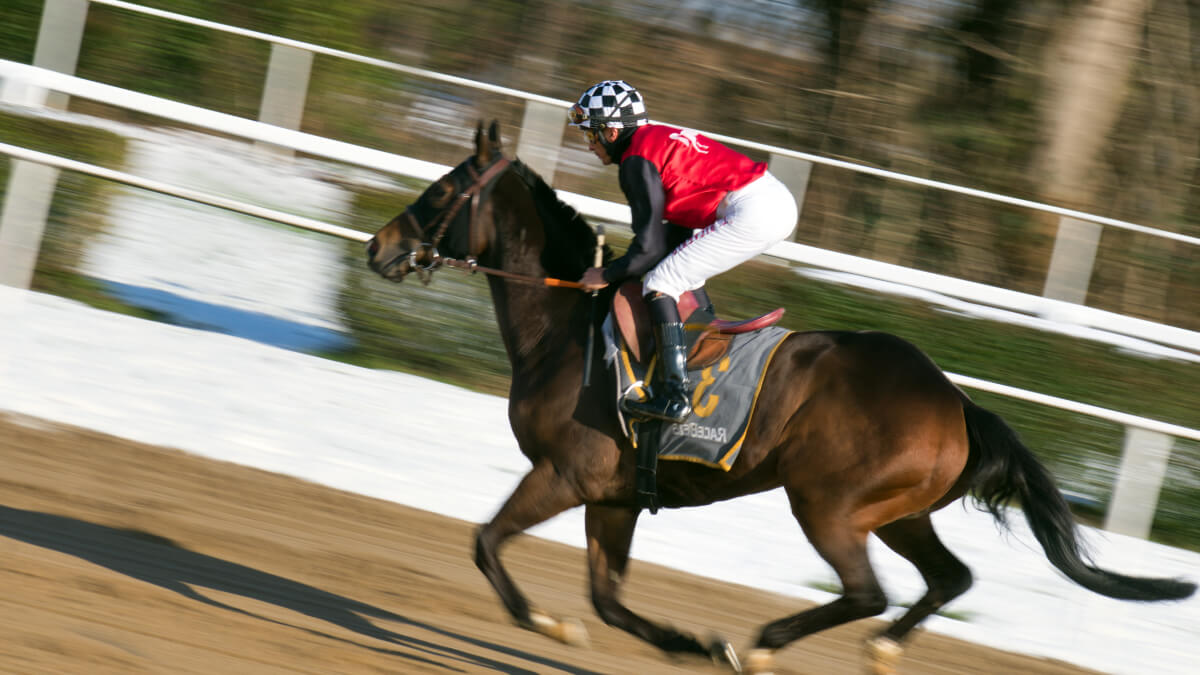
x=535, y=323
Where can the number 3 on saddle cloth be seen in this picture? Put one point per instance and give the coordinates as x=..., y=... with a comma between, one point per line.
x=726, y=364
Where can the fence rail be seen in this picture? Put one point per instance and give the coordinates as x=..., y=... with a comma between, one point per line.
x=197, y=196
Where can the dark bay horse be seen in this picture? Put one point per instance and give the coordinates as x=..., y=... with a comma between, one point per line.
x=861, y=430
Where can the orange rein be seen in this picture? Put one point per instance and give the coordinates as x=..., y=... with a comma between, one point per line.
x=472, y=267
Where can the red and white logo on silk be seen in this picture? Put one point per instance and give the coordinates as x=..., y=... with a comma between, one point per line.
x=690, y=137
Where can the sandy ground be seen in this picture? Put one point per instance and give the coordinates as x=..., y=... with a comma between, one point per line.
x=117, y=557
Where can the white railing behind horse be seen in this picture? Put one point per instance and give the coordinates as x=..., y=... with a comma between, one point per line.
x=31, y=80
x=1067, y=277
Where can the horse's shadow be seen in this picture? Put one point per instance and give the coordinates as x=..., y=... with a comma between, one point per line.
x=159, y=561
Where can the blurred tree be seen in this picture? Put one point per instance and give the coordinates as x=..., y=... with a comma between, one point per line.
x=1087, y=69
x=19, y=29
x=851, y=97
x=1154, y=150
x=1120, y=128
x=539, y=52
x=1024, y=97
x=975, y=121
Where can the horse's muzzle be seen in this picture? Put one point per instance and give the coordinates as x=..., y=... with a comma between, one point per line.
x=391, y=267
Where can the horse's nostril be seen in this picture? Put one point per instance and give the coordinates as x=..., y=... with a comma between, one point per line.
x=372, y=248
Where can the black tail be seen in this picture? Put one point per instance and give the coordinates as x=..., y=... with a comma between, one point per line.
x=1004, y=469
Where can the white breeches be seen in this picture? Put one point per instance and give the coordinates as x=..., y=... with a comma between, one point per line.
x=749, y=221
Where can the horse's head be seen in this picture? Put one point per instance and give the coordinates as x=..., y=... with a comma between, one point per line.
x=444, y=220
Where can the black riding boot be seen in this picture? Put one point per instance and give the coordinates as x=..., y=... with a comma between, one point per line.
x=670, y=402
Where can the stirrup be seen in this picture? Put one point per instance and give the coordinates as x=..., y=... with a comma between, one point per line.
x=664, y=409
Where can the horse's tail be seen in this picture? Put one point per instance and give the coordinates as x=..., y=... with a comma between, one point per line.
x=1004, y=469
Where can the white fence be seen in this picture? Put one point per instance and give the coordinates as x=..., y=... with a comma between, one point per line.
x=1067, y=279
x=1075, y=246
x=1148, y=442
x=29, y=84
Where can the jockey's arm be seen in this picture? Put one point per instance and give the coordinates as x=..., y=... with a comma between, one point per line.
x=643, y=188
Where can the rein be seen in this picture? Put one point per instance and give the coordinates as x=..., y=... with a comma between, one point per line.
x=471, y=266
x=442, y=223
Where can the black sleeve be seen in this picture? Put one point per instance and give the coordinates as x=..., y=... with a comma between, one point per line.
x=643, y=188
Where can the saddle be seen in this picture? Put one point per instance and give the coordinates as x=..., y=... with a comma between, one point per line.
x=728, y=360
x=708, y=338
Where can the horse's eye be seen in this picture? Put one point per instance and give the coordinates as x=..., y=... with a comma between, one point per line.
x=444, y=192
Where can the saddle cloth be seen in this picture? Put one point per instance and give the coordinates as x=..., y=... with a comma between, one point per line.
x=723, y=396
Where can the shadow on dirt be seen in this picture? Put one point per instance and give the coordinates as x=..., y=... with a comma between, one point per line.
x=157, y=560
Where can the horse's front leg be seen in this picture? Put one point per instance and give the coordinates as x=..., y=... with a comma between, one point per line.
x=609, y=536
x=540, y=495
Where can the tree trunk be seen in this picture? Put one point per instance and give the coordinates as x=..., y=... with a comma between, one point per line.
x=1088, y=66
x=1087, y=77
x=1167, y=144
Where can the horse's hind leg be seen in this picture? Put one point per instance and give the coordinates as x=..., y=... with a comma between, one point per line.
x=945, y=576
x=844, y=547
x=541, y=494
x=609, y=535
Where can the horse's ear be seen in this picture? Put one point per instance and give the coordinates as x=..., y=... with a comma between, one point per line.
x=494, y=135
x=487, y=148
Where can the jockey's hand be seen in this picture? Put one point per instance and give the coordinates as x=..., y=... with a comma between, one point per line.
x=593, y=279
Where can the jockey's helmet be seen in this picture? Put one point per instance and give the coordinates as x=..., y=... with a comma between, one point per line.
x=611, y=103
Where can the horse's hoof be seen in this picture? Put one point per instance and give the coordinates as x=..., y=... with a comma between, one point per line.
x=567, y=631
x=883, y=654
x=573, y=633
x=760, y=662
x=723, y=654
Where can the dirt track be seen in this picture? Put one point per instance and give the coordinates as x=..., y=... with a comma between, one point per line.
x=124, y=558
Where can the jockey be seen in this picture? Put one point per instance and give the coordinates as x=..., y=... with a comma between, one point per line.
x=735, y=208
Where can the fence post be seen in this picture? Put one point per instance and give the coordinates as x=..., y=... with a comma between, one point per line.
x=794, y=173
x=23, y=219
x=59, y=37
x=31, y=186
x=541, y=137
x=284, y=92
x=1071, y=262
x=1140, y=478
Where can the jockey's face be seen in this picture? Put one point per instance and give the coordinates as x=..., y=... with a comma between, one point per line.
x=593, y=142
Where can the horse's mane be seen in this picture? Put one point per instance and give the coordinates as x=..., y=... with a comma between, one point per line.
x=570, y=241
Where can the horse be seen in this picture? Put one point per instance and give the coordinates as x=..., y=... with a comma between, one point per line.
x=863, y=432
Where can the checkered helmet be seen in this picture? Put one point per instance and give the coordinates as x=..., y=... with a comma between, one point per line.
x=611, y=103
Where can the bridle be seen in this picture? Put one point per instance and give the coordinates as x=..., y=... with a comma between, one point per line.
x=441, y=223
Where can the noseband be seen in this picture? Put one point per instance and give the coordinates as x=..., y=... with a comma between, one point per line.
x=441, y=223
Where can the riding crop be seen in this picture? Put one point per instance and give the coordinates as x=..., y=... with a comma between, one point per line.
x=591, y=339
